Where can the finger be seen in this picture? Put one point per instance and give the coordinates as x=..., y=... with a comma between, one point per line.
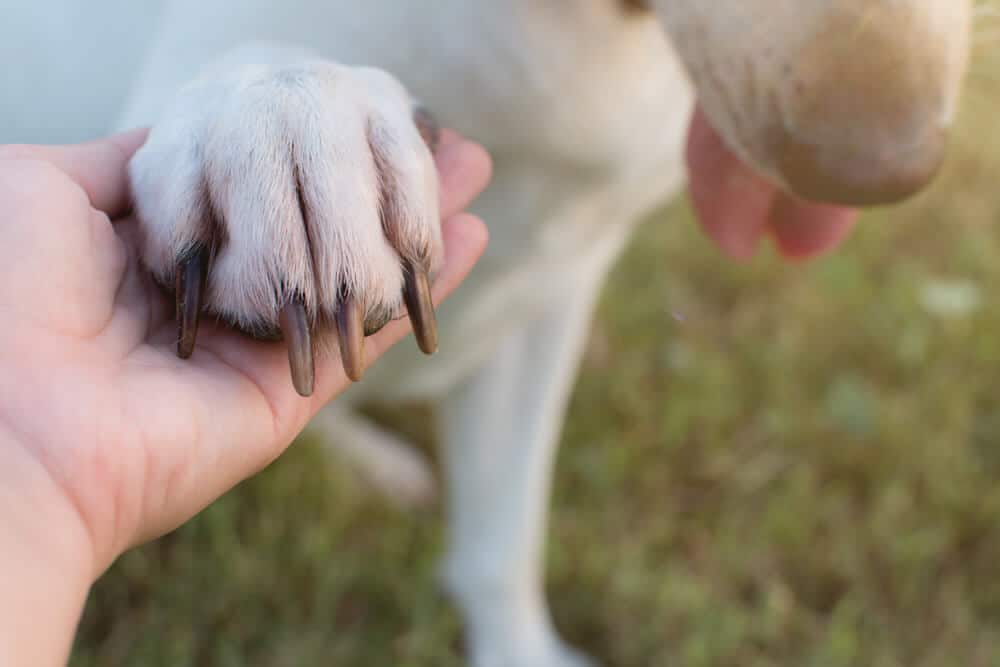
x=465, y=169
x=99, y=167
x=61, y=261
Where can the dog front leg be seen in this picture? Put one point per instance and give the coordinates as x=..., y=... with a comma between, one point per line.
x=500, y=431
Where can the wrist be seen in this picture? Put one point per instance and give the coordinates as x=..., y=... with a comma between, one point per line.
x=46, y=564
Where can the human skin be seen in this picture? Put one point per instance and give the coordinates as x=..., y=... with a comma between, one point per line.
x=107, y=439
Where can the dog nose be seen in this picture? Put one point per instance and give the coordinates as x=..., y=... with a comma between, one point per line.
x=882, y=171
x=864, y=110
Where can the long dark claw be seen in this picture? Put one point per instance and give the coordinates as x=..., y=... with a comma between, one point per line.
x=417, y=295
x=295, y=329
x=189, y=286
x=351, y=336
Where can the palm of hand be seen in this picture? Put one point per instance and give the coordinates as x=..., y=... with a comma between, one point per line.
x=97, y=402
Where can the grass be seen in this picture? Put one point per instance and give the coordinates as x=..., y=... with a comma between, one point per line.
x=763, y=465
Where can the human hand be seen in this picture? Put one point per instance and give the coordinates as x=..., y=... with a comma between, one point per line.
x=107, y=439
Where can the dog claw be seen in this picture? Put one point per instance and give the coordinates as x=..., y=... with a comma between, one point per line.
x=417, y=295
x=189, y=286
x=295, y=329
x=351, y=336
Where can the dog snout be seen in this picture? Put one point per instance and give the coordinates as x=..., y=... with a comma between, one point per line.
x=865, y=107
x=875, y=164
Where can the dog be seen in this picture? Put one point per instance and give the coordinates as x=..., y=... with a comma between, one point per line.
x=285, y=154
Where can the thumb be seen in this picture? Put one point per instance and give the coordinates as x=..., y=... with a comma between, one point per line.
x=99, y=166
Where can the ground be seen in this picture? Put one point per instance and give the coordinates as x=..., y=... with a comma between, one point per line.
x=764, y=464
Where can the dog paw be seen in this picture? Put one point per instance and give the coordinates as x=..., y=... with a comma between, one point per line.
x=293, y=201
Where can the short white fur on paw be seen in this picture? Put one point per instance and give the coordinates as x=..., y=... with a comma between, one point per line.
x=307, y=181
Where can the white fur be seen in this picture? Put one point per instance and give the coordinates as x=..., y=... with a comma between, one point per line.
x=584, y=107
x=280, y=158
x=785, y=68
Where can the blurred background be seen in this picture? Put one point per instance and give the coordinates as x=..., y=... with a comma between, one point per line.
x=763, y=464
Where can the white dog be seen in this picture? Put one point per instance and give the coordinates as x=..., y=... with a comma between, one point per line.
x=283, y=156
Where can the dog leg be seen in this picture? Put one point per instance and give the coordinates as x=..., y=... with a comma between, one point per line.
x=500, y=430
x=395, y=469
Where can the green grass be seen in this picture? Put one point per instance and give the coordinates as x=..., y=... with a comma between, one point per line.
x=763, y=465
